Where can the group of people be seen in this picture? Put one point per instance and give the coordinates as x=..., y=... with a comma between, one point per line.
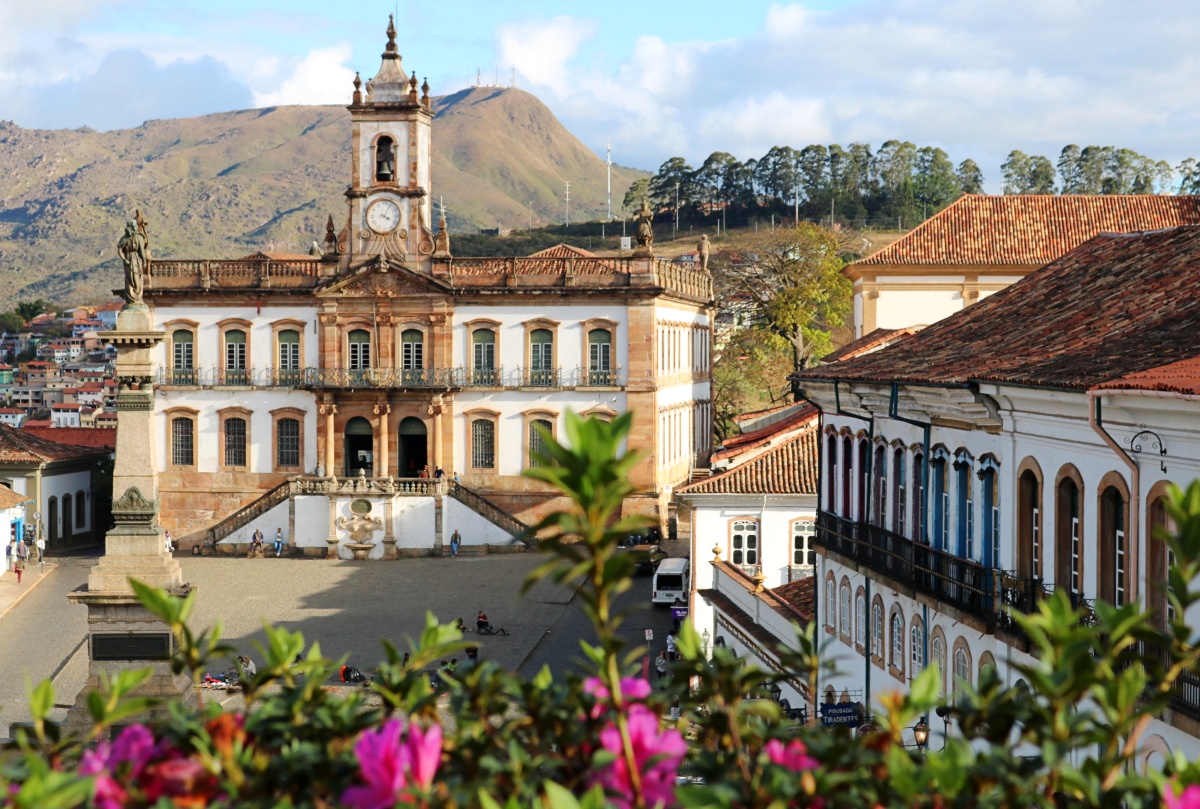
x=665, y=658
x=17, y=554
x=256, y=543
x=438, y=473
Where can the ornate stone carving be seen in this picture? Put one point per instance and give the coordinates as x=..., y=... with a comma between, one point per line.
x=327, y=409
x=134, y=509
x=382, y=409
x=134, y=250
x=360, y=527
x=383, y=284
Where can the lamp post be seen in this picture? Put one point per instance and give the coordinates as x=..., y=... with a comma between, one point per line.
x=944, y=712
x=921, y=734
x=676, y=234
x=774, y=691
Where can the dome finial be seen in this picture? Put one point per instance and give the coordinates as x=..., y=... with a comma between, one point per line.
x=391, y=32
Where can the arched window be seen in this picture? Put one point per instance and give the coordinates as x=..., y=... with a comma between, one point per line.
x=847, y=477
x=385, y=160
x=1159, y=559
x=900, y=493
x=183, y=448
x=1029, y=526
x=830, y=608
x=1113, y=557
x=803, y=533
x=860, y=620
x=938, y=649
x=966, y=507
x=600, y=357
x=289, y=350
x=844, y=610
x=412, y=350
x=235, y=441
x=880, y=505
x=831, y=453
x=52, y=520
x=917, y=648
x=183, y=357
x=80, y=509
x=990, y=489
x=536, y=441
x=541, y=357
x=483, y=444
x=918, y=484
x=287, y=442
x=1068, y=542
x=743, y=543
x=962, y=670
x=359, y=342
x=877, y=630
x=483, y=357
x=67, y=513
x=897, y=658
x=864, y=472
x=940, y=505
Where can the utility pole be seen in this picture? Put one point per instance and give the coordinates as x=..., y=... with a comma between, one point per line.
x=608, y=158
x=676, y=235
x=568, y=202
x=531, y=216
x=796, y=191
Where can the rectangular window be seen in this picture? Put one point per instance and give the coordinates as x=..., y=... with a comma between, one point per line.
x=183, y=451
x=483, y=444
x=600, y=357
x=412, y=356
x=287, y=441
x=1037, y=543
x=1076, y=550
x=360, y=356
x=536, y=443
x=1120, y=567
x=235, y=442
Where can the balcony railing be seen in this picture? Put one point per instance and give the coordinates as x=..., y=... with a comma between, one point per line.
x=960, y=583
x=394, y=378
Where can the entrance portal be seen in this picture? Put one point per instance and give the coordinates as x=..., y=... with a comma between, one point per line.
x=360, y=447
x=414, y=453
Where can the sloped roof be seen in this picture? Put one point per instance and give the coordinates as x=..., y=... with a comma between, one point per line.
x=91, y=437
x=272, y=255
x=11, y=499
x=801, y=594
x=880, y=338
x=789, y=468
x=1115, y=306
x=738, y=444
x=23, y=446
x=1029, y=229
x=1177, y=377
x=563, y=250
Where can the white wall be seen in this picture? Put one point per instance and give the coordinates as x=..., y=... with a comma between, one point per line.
x=895, y=309
x=713, y=517
x=474, y=529
x=276, y=518
x=414, y=521
x=209, y=350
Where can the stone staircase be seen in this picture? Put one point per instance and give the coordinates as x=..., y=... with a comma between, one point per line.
x=488, y=510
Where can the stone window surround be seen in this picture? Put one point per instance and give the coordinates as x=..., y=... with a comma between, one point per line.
x=602, y=413
x=1114, y=480
x=877, y=602
x=935, y=634
x=586, y=327
x=1069, y=471
x=960, y=644
x=846, y=617
x=1030, y=464
x=528, y=417
x=223, y=415
x=286, y=324
x=357, y=323
x=192, y=415
x=276, y=416
x=234, y=324
x=471, y=327
x=758, y=544
x=1157, y=553
x=398, y=342
x=917, y=626
x=896, y=662
x=396, y=161
x=830, y=604
x=533, y=325
x=471, y=416
x=860, y=620
x=172, y=326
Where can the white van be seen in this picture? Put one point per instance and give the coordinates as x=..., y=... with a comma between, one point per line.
x=672, y=581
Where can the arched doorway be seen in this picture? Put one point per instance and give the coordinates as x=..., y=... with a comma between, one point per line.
x=360, y=447
x=414, y=442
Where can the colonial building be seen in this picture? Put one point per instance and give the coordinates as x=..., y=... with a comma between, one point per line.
x=385, y=357
x=981, y=244
x=1016, y=448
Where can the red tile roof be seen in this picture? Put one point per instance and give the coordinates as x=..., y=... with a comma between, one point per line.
x=91, y=437
x=738, y=444
x=1178, y=377
x=789, y=468
x=801, y=594
x=11, y=499
x=1115, y=306
x=1032, y=229
x=880, y=338
x=23, y=446
x=562, y=250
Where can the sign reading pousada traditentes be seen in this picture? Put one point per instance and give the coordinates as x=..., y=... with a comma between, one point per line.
x=842, y=714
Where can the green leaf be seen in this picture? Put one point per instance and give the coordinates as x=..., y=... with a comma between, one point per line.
x=558, y=797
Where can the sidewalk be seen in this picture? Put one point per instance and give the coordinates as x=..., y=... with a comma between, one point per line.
x=11, y=592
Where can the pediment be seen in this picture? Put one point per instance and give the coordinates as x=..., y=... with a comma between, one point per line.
x=381, y=278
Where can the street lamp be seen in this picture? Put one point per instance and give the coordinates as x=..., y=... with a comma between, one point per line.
x=945, y=712
x=921, y=733
x=774, y=691
x=676, y=235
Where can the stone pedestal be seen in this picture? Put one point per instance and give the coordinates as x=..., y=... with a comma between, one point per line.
x=121, y=633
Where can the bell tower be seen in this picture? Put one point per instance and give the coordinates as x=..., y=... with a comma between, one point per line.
x=390, y=176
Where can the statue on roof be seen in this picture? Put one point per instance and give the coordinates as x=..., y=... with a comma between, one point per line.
x=703, y=249
x=134, y=252
x=645, y=226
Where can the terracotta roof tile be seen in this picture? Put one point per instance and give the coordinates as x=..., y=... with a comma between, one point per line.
x=23, y=446
x=91, y=437
x=801, y=594
x=789, y=468
x=1177, y=377
x=1117, y=305
x=11, y=499
x=737, y=444
x=1030, y=229
x=880, y=338
x=563, y=250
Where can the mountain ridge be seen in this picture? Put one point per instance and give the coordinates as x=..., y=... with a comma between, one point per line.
x=231, y=183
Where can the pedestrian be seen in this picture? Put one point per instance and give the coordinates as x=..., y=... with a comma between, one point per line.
x=456, y=478
x=660, y=665
x=41, y=548
x=439, y=474
x=278, y=542
x=424, y=472
x=455, y=541
x=670, y=648
x=167, y=539
x=19, y=568
x=10, y=554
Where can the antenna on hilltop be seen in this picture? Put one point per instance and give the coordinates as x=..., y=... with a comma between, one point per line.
x=608, y=158
x=567, y=199
x=512, y=82
x=478, y=77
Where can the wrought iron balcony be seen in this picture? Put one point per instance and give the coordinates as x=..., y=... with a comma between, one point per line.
x=390, y=378
x=961, y=583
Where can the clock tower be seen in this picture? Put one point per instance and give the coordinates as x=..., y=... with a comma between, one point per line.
x=390, y=175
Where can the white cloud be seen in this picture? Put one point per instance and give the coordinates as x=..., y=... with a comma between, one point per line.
x=320, y=77
x=540, y=50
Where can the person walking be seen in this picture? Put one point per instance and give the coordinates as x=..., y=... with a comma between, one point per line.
x=22, y=557
x=660, y=665
x=10, y=554
x=455, y=541
x=41, y=548
x=170, y=548
x=670, y=648
x=279, y=542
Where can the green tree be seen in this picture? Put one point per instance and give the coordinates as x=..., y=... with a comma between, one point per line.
x=640, y=190
x=674, y=182
x=1189, y=176
x=1070, y=170
x=813, y=168
x=11, y=323
x=935, y=184
x=1027, y=174
x=750, y=371
x=710, y=178
x=28, y=310
x=777, y=174
x=738, y=184
x=970, y=178
x=793, y=288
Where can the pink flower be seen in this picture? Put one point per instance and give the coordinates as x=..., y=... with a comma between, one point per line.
x=109, y=794
x=656, y=753
x=182, y=779
x=388, y=763
x=124, y=758
x=795, y=756
x=632, y=689
x=1189, y=798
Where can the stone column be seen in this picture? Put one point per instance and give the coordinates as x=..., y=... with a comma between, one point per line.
x=122, y=634
x=382, y=409
x=329, y=410
x=435, y=455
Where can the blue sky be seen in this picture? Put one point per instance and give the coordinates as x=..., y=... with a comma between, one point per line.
x=656, y=79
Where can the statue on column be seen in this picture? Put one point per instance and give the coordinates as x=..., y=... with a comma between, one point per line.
x=645, y=226
x=134, y=251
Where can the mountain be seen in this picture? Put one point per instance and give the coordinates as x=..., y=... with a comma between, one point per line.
x=228, y=184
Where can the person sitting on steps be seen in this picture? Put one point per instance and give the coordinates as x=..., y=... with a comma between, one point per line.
x=482, y=624
x=256, y=544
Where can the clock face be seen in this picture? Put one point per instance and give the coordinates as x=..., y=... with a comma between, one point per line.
x=383, y=216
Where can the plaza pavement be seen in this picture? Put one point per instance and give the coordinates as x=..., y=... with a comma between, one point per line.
x=345, y=606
